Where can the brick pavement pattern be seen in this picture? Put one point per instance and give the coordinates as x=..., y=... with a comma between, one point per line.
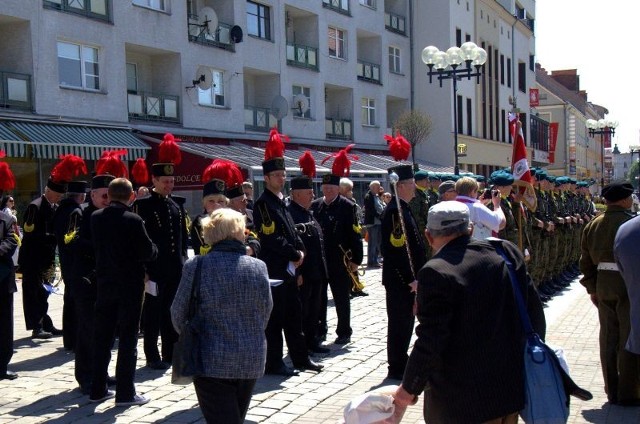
x=47, y=391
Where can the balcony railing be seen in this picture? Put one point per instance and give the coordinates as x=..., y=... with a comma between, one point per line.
x=98, y=10
x=259, y=119
x=369, y=72
x=302, y=56
x=340, y=6
x=395, y=23
x=338, y=128
x=220, y=38
x=153, y=107
x=15, y=91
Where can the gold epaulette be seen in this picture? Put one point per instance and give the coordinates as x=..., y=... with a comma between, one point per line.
x=29, y=228
x=357, y=228
x=397, y=241
x=268, y=229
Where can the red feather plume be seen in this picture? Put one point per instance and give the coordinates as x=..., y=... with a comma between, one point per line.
x=342, y=161
x=110, y=163
x=225, y=170
x=69, y=167
x=7, y=179
x=307, y=164
x=169, y=152
x=139, y=172
x=275, y=145
x=398, y=146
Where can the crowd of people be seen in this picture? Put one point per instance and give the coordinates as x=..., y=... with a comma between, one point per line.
x=262, y=270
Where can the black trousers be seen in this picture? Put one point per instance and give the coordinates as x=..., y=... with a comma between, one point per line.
x=35, y=301
x=68, y=315
x=399, y=327
x=224, y=400
x=340, y=283
x=6, y=330
x=85, y=329
x=311, y=299
x=286, y=316
x=116, y=310
x=156, y=321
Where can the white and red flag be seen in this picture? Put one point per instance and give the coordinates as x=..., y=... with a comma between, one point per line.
x=522, y=178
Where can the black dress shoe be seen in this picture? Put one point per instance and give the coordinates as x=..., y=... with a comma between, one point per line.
x=309, y=365
x=8, y=375
x=284, y=371
x=41, y=334
x=55, y=331
x=158, y=365
x=320, y=349
x=359, y=293
x=343, y=340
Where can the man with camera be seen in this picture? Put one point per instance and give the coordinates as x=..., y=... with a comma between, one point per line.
x=485, y=221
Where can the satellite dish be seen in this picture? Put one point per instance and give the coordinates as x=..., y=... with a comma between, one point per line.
x=301, y=103
x=204, y=78
x=279, y=107
x=207, y=19
x=236, y=34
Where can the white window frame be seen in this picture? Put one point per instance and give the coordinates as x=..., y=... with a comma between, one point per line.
x=161, y=5
x=395, y=64
x=368, y=107
x=305, y=91
x=340, y=39
x=214, y=96
x=84, y=57
x=368, y=3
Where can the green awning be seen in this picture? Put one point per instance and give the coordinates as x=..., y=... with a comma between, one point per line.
x=10, y=143
x=49, y=141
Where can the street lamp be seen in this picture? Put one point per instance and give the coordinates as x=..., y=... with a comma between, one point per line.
x=446, y=65
x=606, y=128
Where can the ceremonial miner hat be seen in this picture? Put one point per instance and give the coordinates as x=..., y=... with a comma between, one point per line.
x=308, y=167
x=219, y=175
x=404, y=172
x=69, y=167
x=168, y=157
x=274, y=152
x=341, y=165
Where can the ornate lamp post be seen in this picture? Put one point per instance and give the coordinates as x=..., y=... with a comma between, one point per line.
x=607, y=129
x=446, y=65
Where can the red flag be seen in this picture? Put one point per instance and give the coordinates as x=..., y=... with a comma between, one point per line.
x=519, y=166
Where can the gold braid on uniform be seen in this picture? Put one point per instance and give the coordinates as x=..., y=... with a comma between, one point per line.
x=397, y=237
x=268, y=226
x=72, y=231
x=29, y=224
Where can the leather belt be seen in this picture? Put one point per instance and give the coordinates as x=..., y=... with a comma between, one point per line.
x=608, y=266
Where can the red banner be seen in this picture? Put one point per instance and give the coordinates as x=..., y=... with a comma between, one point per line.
x=553, y=140
x=606, y=138
x=534, y=97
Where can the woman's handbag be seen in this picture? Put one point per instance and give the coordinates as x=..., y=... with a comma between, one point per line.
x=547, y=385
x=186, y=350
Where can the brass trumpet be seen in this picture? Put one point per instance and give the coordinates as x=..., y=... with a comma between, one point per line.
x=356, y=284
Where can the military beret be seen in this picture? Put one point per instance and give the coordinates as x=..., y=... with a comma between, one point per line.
x=480, y=178
x=551, y=178
x=617, y=191
x=446, y=177
x=501, y=178
x=421, y=175
x=434, y=176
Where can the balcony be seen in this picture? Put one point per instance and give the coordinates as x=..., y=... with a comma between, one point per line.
x=153, y=107
x=338, y=129
x=220, y=38
x=15, y=91
x=259, y=119
x=395, y=23
x=369, y=72
x=340, y=6
x=99, y=10
x=302, y=56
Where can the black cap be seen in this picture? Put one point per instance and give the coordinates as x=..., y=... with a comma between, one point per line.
x=234, y=192
x=214, y=186
x=301, y=183
x=617, y=191
x=163, y=169
x=274, y=164
x=101, y=181
x=60, y=187
x=77, y=187
x=404, y=172
x=331, y=179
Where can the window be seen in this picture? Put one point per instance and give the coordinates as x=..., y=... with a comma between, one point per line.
x=394, y=60
x=522, y=77
x=152, y=4
x=98, y=9
x=214, y=96
x=368, y=111
x=370, y=3
x=337, y=47
x=298, y=109
x=132, y=78
x=78, y=66
x=258, y=23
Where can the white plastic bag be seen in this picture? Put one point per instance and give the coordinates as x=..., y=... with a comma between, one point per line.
x=374, y=407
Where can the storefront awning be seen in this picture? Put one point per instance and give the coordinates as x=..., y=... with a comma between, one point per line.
x=49, y=141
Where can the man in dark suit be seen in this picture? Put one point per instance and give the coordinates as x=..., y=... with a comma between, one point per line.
x=8, y=245
x=122, y=246
x=373, y=207
x=283, y=252
x=470, y=341
x=400, y=270
x=342, y=245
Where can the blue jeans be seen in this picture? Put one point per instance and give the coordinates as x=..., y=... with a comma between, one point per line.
x=373, y=246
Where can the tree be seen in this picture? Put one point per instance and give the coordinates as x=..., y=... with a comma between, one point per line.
x=633, y=174
x=416, y=127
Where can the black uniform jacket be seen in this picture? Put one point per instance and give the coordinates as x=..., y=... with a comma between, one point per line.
x=8, y=245
x=314, y=265
x=38, y=250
